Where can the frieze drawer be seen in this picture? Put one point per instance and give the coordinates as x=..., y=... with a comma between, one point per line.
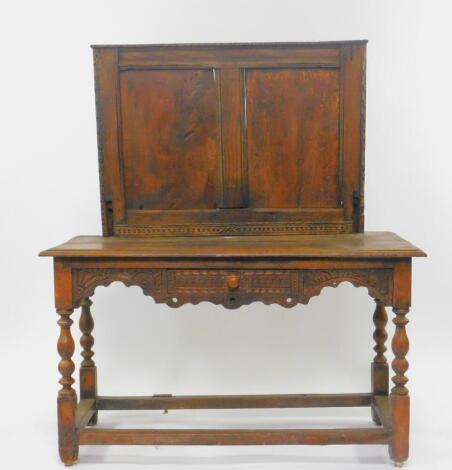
x=233, y=288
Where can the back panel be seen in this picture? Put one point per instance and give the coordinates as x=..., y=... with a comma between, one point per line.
x=231, y=139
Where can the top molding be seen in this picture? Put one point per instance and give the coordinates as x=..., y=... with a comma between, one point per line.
x=235, y=44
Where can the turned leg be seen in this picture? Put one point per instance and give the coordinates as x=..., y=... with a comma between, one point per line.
x=67, y=397
x=88, y=373
x=400, y=400
x=379, y=367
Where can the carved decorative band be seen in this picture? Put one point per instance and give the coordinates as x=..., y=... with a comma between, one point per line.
x=378, y=282
x=199, y=282
x=284, y=287
x=85, y=281
x=257, y=228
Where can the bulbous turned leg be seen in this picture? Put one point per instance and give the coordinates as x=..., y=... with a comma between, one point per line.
x=67, y=397
x=400, y=400
x=88, y=372
x=379, y=366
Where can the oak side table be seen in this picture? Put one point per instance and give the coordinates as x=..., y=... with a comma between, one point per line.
x=232, y=173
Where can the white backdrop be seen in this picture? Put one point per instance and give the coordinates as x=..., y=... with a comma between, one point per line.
x=49, y=193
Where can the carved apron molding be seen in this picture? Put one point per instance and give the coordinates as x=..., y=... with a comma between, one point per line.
x=176, y=287
x=378, y=282
x=85, y=281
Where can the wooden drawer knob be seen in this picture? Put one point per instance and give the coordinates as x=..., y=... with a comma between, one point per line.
x=233, y=281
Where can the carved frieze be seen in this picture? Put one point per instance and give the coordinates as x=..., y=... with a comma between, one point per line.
x=232, y=288
x=267, y=286
x=377, y=281
x=85, y=281
x=244, y=228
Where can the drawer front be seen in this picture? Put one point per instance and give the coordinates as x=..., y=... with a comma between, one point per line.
x=233, y=288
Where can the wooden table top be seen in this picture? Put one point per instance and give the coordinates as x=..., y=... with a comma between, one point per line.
x=355, y=245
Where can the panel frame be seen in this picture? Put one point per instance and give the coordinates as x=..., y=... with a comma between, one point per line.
x=231, y=60
x=110, y=171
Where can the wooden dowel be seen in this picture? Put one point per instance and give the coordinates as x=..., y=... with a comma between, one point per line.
x=85, y=410
x=168, y=402
x=96, y=436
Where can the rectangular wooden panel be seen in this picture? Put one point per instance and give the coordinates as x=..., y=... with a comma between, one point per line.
x=231, y=139
x=200, y=282
x=233, y=288
x=292, y=145
x=171, y=139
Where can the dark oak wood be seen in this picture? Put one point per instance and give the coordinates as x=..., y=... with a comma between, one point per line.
x=192, y=139
x=275, y=100
x=182, y=149
x=400, y=400
x=86, y=410
x=365, y=245
x=232, y=173
x=88, y=370
x=170, y=402
x=232, y=288
x=231, y=55
x=234, y=436
x=67, y=397
x=380, y=369
x=382, y=408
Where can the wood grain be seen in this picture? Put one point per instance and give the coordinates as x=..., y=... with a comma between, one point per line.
x=88, y=370
x=369, y=244
x=292, y=138
x=231, y=139
x=233, y=436
x=171, y=139
x=232, y=173
x=197, y=402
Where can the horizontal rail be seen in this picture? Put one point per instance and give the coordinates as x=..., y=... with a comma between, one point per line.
x=169, y=402
x=85, y=410
x=98, y=436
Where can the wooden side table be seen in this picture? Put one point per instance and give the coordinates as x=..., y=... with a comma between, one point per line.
x=232, y=173
x=234, y=271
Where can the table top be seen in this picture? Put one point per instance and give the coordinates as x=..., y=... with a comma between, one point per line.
x=355, y=245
